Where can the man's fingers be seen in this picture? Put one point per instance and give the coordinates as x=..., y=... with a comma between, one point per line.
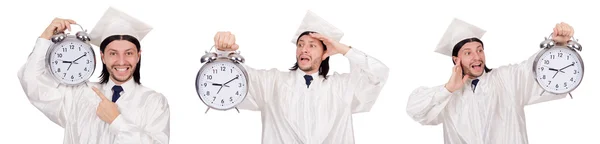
x=465, y=78
x=67, y=25
x=235, y=47
x=99, y=94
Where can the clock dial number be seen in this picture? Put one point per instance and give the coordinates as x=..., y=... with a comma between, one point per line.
x=546, y=62
x=551, y=56
x=560, y=54
x=209, y=77
x=58, y=70
x=64, y=49
x=72, y=46
x=59, y=55
x=222, y=68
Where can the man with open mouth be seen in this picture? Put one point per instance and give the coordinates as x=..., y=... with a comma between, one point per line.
x=305, y=105
x=479, y=105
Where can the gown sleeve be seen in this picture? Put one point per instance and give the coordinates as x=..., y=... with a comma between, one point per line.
x=426, y=104
x=362, y=86
x=42, y=91
x=519, y=80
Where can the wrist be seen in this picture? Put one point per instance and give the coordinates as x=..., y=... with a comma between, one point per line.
x=44, y=36
x=345, y=49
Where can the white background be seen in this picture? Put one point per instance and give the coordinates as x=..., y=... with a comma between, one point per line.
x=403, y=35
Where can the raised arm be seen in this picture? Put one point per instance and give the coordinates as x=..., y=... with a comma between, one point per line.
x=39, y=86
x=364, y=82
x=520, y=78
x=261, y=83
x=426, y=104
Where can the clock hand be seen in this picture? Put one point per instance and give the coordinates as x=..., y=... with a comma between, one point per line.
x=555, y=74
x=216, y=84
x=69, y=66
x=84, y=54
x=236, y=77
x=67, y=62
x=219, y=89
x=572, y=64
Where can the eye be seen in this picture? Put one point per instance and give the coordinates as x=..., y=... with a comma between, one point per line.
x=480, y=50
x=129, y=53
x=467, y=53
x=312, y=45
x=300, y=45
x=113, y=53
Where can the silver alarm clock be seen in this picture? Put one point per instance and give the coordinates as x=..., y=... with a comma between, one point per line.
x=71, y=59
x=222, y=82
x=559, y=69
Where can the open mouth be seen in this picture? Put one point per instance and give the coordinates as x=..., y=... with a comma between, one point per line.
x=476, y=66
x=304, y=59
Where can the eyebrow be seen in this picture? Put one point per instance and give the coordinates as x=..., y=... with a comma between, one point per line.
x=125, y=50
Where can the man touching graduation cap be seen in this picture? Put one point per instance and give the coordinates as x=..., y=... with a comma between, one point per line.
x=480, y=105
x=305, y=105
x=128, y=113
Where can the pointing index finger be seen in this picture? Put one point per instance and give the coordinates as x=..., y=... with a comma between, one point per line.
x=99, y=94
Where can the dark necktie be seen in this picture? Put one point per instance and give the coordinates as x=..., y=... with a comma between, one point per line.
x=116, y=92
x=308, y=79
x=474, y=84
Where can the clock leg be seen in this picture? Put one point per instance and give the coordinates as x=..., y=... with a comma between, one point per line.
x=542, y=93
x=206, y=110
x=237, y=109
x=570, y=95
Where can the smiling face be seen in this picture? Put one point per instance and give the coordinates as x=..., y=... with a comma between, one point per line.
x=472, y=59
x=121, y=58
x=309, y=53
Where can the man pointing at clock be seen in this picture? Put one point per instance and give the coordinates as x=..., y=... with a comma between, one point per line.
x=479, y=105
x=305, y=105
x=118, y=109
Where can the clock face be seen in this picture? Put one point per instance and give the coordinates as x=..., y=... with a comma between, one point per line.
x=559, y=70
x=72, y=62
x=221, y=85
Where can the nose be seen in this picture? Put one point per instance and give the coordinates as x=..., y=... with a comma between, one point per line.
x=120, y=60
x=477, y=56
x=305, y=49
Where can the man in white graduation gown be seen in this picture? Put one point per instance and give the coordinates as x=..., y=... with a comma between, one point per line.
x=306, y=106
x=116, y=110
x=481, y=106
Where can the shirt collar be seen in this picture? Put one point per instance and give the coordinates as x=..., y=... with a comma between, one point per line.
x=301, y=74
x=128, y=86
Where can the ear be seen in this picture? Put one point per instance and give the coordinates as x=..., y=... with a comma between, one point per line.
x=455, y=59
x=139, y=55
x=102, y=56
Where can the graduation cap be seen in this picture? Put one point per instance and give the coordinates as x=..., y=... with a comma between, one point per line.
x=116, y=22
x=312, y=22
x=457, y=31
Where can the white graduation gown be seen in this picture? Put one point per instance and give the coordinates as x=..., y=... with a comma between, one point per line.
x=493, y=114
x=320, y=114
x=144, y=114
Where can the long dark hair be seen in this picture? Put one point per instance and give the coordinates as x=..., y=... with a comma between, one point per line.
x=104, y=76
x=462, y=43
x=324, y=68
